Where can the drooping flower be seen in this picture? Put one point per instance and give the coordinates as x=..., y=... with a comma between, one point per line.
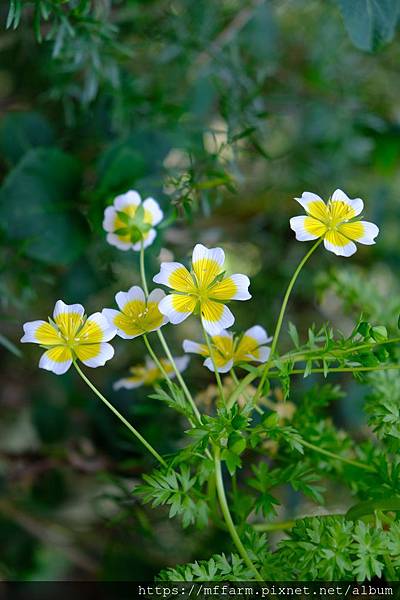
x=230, y=350
x=149, y=373
x=129, y=221
x=204, y=290
x=335, y=222
x=136, y=315
x=69, y=335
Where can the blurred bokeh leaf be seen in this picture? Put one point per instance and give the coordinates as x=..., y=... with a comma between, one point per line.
x=370, y=23
x=38, y=206
x=21, y=131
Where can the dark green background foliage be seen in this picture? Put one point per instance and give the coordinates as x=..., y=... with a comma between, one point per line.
x=224, y=111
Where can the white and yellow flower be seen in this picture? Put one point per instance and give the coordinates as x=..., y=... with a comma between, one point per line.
x=335, y=222
x=204, y=290
x=129, y=222
x=69, y=335
x=230, y=350
x=137, y=315
x=149, y=373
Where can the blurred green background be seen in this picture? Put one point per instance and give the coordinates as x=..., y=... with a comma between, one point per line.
x=223, y=111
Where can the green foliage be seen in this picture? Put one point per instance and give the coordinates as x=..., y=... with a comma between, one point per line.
x=334, y=549
x=49, y=225
x=370, y=23
x=383, y=408
x=223, y=112
x=177, y=490
x=218, y=568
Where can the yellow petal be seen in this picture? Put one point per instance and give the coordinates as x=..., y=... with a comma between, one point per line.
x=353, y=231
x=314, y=227
x=87, y=351
x=47, y=335
x=341, y=211
x=68, y=323
x=318, y=210
x=336, y=239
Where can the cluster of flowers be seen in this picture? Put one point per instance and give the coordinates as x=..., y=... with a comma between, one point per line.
x=204, y=291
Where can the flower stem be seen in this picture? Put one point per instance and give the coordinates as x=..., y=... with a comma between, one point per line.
x=281, y=315
x=246, y=396
x=164, y=343
x=155, y=358
x=227, y=515
x=340, y=370
x=216, y=372
x=142, y=270
x=348, y=461
x=121, y=418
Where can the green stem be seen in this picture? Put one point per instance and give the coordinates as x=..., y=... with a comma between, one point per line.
x=340, y=370
x=155, y=359
x=281, y=316
x=216, y=372
x=227, y=515
x=142, y=270
x=164, y=343
x=246, y=396
x=348, y=461
x=121, y=418
x=238, y=391
x=279, y=526
x=178, y=375
x=336, y=354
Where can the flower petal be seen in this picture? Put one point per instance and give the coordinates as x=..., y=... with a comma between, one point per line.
x=148, y=239
x=177, y=307
x=68, y=318
x=126, y=327
x=259, y=334
x=194, y=347
x=94, y=355
x=262, y=355
x=127, y=199
x=61, y=308
x=132, y=301
x=96, y=329
x=181, y=363
x=363, y=232
x=221, y=368
x=41, y=332
x=307, y=228
x=155, y=296
x=110, y=214
x=128, y=383
x=57, y=359
x=215, y=317
x=175, y=276
x=115, y=240
x=234, y=287
x=355, y=205
x=313, y=205
x=152, y=212
x=339, y=244
x=207, y=264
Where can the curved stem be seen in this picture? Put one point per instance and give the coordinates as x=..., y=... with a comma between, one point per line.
x=121, y=418
x=340, y=370
x=142, y=270
x=246, y=396
x=178, y=375
x=282, y=314
x=216, y=372
x=348, y=461
x=155, y=358
x=164, y=343
x=227, y=515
